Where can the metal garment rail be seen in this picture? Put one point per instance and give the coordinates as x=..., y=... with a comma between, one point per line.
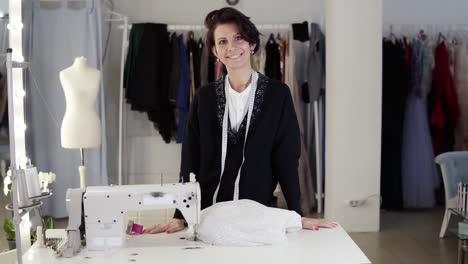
x=126, y=27
x=318, y=105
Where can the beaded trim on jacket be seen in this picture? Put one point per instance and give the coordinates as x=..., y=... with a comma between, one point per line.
x=236, y=137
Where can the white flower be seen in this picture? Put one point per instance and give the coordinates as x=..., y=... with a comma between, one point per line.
x=52, y=177
x=6, y=182
x=45, y=179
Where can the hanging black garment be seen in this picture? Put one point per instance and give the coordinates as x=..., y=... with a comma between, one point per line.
x=273, y=59
x=395, y=85
x=305, y=95
x=148, y=81
x=197, y=59
x=301, y=31
x=194, y=48
x=176, y=66
x=134, y=43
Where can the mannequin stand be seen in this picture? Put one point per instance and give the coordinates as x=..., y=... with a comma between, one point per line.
x=82, y=170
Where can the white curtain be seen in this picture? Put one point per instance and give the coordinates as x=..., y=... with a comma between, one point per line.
x=55, y=33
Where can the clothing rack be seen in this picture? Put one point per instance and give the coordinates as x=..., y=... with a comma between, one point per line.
x=175, y=27
x=428, y=29
x=318, y=106
x=172, y=27
x=125, y=26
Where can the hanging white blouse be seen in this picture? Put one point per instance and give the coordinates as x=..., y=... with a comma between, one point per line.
x=238, y=105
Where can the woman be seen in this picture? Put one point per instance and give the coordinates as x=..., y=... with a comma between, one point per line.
x=243, y=104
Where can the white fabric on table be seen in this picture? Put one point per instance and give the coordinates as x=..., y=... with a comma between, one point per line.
x=246, y=223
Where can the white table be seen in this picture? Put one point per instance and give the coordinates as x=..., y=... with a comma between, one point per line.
x=324, y=246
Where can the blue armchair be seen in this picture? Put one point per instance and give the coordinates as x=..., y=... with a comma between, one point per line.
x=454, y=167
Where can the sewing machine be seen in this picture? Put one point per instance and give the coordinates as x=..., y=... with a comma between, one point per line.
x=105, y=208
x=104, y=214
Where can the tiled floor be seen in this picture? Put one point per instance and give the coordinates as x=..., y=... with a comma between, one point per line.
x=406, y=237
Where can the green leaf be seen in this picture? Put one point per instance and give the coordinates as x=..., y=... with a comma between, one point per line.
x=49, y=222
x=9, y=229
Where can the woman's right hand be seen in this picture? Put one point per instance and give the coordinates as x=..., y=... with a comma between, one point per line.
x=174, y=225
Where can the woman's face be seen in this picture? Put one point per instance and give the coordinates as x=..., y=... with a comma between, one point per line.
x=233, y=50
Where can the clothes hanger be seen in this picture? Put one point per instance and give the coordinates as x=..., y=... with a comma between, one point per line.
x=271, y=39
x=191, y=35
x=392, y=37
x=455, y=38
x=422, y=35
x=441, y=37
x=278, y=36
x=200, y=43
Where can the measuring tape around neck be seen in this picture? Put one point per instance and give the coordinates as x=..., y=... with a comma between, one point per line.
x=225, y=135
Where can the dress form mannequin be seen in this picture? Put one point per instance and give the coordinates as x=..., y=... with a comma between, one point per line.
x=81, y=127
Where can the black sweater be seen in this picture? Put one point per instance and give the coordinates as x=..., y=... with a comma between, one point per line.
x=271, y=153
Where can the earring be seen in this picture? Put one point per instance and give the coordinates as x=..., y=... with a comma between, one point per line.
x=252, y=52
x=217, y=59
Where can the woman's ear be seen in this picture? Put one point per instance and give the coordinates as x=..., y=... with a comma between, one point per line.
x=213, y=49
x=252, y=48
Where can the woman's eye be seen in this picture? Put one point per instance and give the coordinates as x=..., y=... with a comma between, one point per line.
x=221, y=42
x=239, y=37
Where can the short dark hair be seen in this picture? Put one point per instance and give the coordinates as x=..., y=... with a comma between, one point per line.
x=228, y=15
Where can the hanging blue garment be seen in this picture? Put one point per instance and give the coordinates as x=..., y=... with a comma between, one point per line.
x=419, y=175
x=184, y=90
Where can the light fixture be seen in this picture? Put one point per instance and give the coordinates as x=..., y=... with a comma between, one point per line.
x=15, y=26
x=16, y=118
x=23, y=160
x=19, y=93
x=19, y=58
x=21, y=127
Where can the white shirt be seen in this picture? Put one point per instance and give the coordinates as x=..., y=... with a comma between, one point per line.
x=238, y=105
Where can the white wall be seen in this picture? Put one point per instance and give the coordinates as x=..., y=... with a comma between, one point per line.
x=194, y=12
x=353, y=107
x=425, y=11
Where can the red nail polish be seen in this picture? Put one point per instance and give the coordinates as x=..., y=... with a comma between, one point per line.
x=168, y=232
x=316, y=228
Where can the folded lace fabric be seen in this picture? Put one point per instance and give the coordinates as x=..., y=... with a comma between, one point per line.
x=246, y=223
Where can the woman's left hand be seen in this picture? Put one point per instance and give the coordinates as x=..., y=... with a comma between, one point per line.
x=315, y=224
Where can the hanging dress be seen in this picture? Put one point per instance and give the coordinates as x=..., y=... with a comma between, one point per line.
x=395, y=82
x=461, y=87
x=445, y=111
x=419, y=174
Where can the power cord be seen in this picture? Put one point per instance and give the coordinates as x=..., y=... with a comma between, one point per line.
x=361, y=202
